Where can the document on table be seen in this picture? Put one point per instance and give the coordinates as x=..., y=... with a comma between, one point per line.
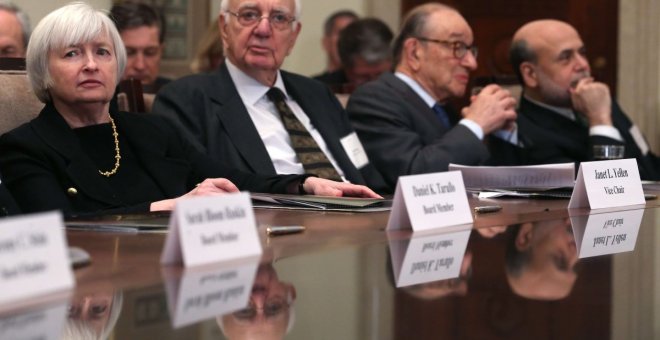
x=127, y=223
x=327, y=203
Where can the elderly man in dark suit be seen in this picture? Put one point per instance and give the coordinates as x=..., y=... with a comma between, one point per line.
x=564, y=112
x=252, y=116
x=401, y=117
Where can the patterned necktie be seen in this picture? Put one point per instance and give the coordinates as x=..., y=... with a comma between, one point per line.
x=309, y=153
x=442, y=115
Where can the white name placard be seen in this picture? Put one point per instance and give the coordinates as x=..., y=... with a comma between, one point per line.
x=606, y=233
x=206, y=292
x=607, y=184
x=210, y=229
x=429, y=201
x=33, y=257
x=428, y=257
x=44, y=323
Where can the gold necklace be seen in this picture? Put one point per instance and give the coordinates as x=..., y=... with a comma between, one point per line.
x=117, y=154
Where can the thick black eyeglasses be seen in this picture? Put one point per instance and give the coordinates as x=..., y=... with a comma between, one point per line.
x=459, y=48
x=250, y=17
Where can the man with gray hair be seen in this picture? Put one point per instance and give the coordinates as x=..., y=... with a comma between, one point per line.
x=252, y=116
x=14, y=31
x=402, y=117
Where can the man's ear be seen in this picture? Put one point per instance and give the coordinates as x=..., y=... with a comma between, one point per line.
x=524, y=237
x=529, y=74
x=411, y=54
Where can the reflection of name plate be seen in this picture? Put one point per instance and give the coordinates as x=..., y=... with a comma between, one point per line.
x=44, y=323
x=607, y=184
x=33, y=257
x=429, y=201
x=210, y=229
x=206, y=292
x=606, y=233
x=428, y=257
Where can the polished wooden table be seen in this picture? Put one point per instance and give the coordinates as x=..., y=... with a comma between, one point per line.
x=341, y=272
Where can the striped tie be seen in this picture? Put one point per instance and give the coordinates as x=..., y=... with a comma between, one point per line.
x=309, y=154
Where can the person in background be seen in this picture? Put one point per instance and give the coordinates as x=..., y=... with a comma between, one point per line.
x=14, y=31
x=82, y=157
x=209, y=54
x=402, y=117
x=143, y=33
x=364, y=51
x=564, y=111
x=332, y=26
x=251, y=115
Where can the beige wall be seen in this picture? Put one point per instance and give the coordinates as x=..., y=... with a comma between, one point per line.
x=37, y=9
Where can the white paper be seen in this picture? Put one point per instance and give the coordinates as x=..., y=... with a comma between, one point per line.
x=33, y=257
x=212, y=229
x=428, y=257
x=42, y=323
x=429, y=201
x=606, y=233
x=607, y=184
x=355, y=150
x=533, y=176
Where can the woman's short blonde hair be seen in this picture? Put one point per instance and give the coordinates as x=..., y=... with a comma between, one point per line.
x=75, y=23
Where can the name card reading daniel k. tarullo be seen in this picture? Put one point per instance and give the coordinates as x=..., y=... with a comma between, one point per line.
x=33, y=257
x=211, y=229
x=429, y=201
x=606, y=184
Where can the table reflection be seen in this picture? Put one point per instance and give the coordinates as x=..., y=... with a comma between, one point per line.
x=93, y=316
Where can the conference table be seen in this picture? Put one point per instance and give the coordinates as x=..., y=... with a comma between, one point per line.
x=533, y=270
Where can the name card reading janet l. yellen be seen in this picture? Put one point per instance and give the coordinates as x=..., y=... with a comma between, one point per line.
x=211, y=229
x=428, y=257
x=208, y=291
x=607, y=184
x=429, y=201
x=33, y=257
x=606, y=233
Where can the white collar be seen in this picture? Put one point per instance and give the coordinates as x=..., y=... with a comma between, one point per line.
x=426, y=97
x=249, y=88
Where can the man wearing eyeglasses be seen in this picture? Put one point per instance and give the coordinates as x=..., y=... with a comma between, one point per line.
x=401, y=117
x=252, y=116
x=564, y=112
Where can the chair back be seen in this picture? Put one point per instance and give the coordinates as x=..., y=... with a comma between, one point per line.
x=18, y=104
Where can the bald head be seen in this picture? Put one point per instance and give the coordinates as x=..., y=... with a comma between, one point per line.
x=549, y=57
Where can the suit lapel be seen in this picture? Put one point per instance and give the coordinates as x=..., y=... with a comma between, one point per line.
x=421, y=109
x=235, y=119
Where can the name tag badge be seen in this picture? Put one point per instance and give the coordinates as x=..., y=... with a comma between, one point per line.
x=606, y=233
x=354, y=150
x=429, y=201
x=206, y=292
x=33, y=257
x=607, y=184
x=210, y=229
x=428, y=257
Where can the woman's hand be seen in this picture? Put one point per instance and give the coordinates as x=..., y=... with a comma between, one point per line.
x=325, y=187
x=209, y=187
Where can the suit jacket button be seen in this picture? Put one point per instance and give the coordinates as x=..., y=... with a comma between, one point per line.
x=72, y=191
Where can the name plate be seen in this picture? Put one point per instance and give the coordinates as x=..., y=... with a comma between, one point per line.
x=43, y=323
x=607, y=184
x=428, y=257
x=429, y=201
x=33, y=257
x=607, y=233
x=209, y=229
x=206, y=292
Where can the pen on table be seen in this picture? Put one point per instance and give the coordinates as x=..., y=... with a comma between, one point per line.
x=284, y=230
x=487, y=209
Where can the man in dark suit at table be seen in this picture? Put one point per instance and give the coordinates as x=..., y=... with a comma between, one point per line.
x=401, y=117
x=564, y=112
x=252, y=116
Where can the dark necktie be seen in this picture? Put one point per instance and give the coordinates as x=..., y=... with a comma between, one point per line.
x=442, y=115
x=309, y=153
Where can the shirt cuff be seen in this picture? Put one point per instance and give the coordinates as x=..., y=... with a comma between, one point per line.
x=474, y=127
x=606, y=131
x=509, y=136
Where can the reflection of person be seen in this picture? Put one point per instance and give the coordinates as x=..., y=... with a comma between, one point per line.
x=550, y=60
x=541, y=259
x=269, y=314
x=437, y=289
x=209, y=53
x=93, y=316
x=14, y=31
x=401, y=117
x=142, y=31
x=253, y=116
x=332, y=26
x=364, y=50
x=77, y=157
